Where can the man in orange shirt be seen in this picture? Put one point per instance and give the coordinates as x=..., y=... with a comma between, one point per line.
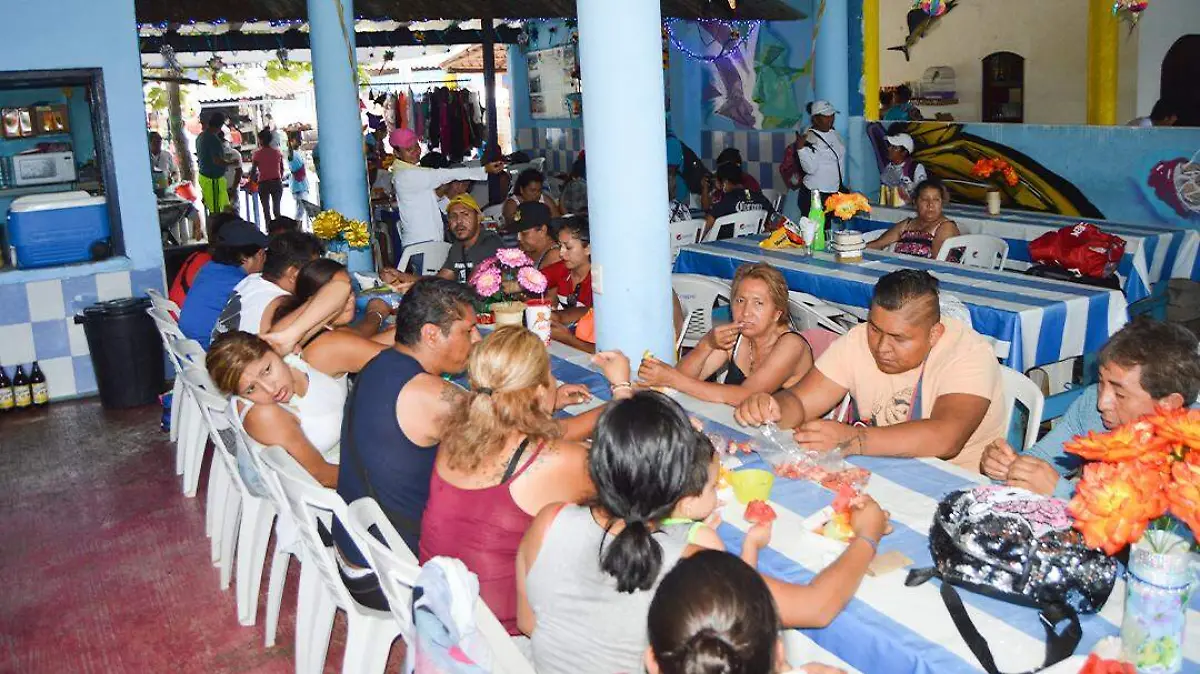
x=925, y=385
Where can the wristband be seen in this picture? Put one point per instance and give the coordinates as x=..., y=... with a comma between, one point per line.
x=869, y=541
x=623, y=384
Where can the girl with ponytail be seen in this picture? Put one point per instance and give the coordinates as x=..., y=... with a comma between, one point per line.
x=503, y=459
x=713, y=614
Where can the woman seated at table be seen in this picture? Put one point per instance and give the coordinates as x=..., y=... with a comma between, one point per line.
x=574, y=290
x=758, y=351
x=586, y=573
x=504, y=459
x=283, y=401
x=923, y=235
x=354, y=341
x=529, y=188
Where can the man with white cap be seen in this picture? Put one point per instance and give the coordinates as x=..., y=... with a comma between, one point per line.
x=902, y=172
x=420, y=217
x=821, y=154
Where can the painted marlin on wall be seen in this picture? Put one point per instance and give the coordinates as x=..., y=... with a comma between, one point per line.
x=919, y=23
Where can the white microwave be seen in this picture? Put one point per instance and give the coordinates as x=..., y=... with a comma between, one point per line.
x=43, y=168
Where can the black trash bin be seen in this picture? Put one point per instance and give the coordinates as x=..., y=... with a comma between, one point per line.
x=126, y=351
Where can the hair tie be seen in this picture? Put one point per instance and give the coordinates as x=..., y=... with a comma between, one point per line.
x=484, y=391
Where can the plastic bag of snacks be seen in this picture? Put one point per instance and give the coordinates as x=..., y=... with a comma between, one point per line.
x=829, y=469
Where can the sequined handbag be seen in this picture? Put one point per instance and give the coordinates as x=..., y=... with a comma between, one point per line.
x=1019, y=547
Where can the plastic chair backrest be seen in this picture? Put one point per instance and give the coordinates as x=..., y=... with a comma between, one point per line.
x=433, y=256
x=390, y=558
x=870, y=236
x=495, y=211
x=684, y=233
x=307, y=502
x=954, y=308
x=212, y=410
x=808, y=316
x=1020, y=389
x=698, y=295
x=978, y=250
x=744, y=223
x=165, y=323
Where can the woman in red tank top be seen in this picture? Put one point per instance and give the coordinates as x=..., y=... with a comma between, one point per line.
x=501, y=463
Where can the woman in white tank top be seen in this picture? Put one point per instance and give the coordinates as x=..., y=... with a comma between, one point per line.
x=528, y=188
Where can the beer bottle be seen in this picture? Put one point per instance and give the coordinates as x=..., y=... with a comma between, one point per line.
x=6, y=392
x=22, y=393
x=39, y=389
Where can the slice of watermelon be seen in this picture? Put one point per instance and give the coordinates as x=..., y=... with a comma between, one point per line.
x=845, y=496
x=758, y=512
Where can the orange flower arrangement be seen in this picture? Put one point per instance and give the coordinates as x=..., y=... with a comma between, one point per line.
x=995, y=170
x=1140, y=472
x=846, y=206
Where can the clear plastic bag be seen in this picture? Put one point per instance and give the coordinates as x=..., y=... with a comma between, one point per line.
x=787, y=459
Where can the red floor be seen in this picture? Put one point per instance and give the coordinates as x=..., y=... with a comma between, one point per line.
x=106, y=565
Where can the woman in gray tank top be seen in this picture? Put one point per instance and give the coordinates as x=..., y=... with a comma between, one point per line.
x=586, y=574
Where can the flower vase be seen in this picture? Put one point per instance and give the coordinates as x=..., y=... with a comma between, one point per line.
x=1158, y=586
x=993, y=201
x=509, y=313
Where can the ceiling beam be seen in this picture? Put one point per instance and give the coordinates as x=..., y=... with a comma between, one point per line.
x=295, y=39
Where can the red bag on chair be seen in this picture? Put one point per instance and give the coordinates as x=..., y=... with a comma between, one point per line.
x=1082, y=249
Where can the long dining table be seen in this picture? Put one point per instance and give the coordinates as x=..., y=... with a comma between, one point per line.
x=1153, y=252
x=887, y=628
x=1033, y=321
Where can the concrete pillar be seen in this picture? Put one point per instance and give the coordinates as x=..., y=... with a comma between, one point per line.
x=623, y=109
x=870, y=79
x=833, y=55
x=1103, y=65
x=339, y=127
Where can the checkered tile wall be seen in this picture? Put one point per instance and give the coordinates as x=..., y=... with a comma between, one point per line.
x=762, y=150
x=36, y=323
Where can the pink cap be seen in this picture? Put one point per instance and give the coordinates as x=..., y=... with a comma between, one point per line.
x=402, y=138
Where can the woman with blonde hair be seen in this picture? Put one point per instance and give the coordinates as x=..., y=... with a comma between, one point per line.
x=285, y=401
x=502, y=461
x=758, y=352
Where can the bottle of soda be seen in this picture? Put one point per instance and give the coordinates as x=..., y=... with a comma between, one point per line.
x=38, y=388
x=6, y=392
x=22, y=393
x=816, y=213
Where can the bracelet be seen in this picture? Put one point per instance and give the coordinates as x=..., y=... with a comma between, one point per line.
x=376, y=313
x=623, y=384
x=869, y=541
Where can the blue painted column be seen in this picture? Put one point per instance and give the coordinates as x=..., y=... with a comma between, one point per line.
x=832, y=65
x=620, y=57
x=343, y=164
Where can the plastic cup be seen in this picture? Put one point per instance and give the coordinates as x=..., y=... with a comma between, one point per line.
x=537, y=319
x=752, y=484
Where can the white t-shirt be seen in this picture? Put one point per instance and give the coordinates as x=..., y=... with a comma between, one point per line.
x=247, y=304
x=824, y=163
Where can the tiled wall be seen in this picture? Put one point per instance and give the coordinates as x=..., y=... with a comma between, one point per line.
x=762, y=151
x=36, y=323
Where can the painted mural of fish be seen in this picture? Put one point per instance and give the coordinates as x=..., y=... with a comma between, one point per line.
x=919, y=24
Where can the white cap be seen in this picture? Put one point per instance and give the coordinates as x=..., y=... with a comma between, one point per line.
x=901, y=140
x=823, y=108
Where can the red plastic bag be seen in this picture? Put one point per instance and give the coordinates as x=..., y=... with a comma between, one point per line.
x=1082, y=249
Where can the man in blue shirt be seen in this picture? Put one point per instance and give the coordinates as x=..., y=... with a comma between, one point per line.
x=1147, y=364
x=240, y=249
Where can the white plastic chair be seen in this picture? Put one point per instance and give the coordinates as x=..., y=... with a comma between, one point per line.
x=397, y=570
x=978, y=250
x=684, y=233
x=808, y=312
x=168, y=328
x=951, y=306
x=369, y=633
x=872, y=235
x=1019, y=388
x=494, y=212
x=434, y=252
x=698, y=295
x=744, y=223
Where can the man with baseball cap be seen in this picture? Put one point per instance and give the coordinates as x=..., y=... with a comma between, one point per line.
x=238, y=251
x=902, y=172
x=821, y=154
x=420, y=217
x=472, y=245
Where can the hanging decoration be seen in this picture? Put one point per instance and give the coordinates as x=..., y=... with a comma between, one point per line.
x=932, y=7
x=1130, y=10
x=172, y=61
x=282, y=56
x=216, y=64
x=388, y=57
x=739, y=32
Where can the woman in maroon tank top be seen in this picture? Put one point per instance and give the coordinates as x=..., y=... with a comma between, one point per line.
x=502, y=461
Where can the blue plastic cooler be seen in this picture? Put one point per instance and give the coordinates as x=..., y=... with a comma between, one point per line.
x=45, y=230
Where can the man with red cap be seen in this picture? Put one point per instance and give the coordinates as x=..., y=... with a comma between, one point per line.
x=420, y=217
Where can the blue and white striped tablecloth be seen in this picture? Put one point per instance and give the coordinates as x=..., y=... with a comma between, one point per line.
x=887, y=628
x=1034, y=321
x=1153, y=253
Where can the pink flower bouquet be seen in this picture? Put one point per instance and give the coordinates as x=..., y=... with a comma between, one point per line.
x=508, y=277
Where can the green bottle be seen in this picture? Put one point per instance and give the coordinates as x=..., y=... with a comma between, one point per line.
x=816, y=213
